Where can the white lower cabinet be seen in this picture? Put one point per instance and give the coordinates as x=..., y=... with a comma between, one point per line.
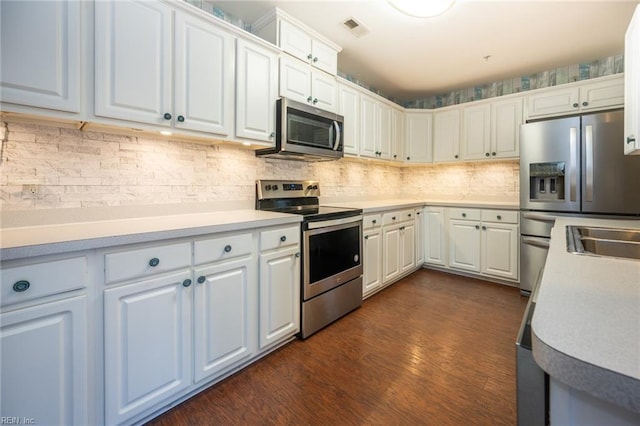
x=435, y=236
x=398, y=244
x=44, y=341
x=224, y=323
x=44, y=363
x=419, y=234
x=479, y=241
x=371, y=253
x=147, y=351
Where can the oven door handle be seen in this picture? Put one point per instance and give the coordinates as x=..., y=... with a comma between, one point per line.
x=536, y=242
x=333, y=222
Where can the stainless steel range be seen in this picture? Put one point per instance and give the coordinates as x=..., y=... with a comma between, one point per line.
x=331, y=274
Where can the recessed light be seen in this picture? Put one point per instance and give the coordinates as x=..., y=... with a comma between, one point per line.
x=422, y=8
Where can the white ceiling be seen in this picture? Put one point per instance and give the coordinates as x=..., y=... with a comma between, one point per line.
x=409, y=58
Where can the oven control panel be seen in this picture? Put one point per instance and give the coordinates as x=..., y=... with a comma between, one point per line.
x=267, y=189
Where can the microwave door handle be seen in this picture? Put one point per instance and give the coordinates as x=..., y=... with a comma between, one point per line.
x=338, y=135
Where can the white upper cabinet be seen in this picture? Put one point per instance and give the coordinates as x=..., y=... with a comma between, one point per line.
x=298, y=40
x=476, y=132
x=300, y=83
x=418, y=137
x=446, y=135
x=369, y=125
x=397, y=133
x=349, y=108
x=506, y=118
x=40, y=45
x=385, y=139
x=134, y=80
x=632, y=86
x=590, y=95
x=256, y=91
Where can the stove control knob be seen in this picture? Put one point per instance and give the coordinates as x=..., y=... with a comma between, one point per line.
x=268, y=187
x=315, y=186
x=274, y=187
x=309, y=188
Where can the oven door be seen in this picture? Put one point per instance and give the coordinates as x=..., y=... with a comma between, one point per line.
x=331, y=253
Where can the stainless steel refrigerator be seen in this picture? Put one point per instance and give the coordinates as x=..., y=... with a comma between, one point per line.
x=571, y=166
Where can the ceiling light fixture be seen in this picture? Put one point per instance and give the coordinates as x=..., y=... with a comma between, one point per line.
x=422, y=8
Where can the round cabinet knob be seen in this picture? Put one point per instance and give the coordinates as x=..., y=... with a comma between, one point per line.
x=309, y=56
x=409, y=215
x=366, y=237
x=272, y=135
x=484, y=228
x=181, y=118
x=631, y=139
x=268, y=187
x=418, y=213
x=227, y=248
x=575, y=105
x=393, y=218
x=374, y=221
x=315, y=59
x=315, y=101
x=493, y=153
x=154, y=262
x=477, y=226
x=455, y=156
x=21, y=286
x=499, y=217
x=585, y=103
x=274, y=187
x=283, y=238
x=408, y=158
x=298, y=254
x=486, y=154
x=167, y=116
x=309, y=99
x=186, y=283
x=201, y=279
x=464, y=215
x=402, y=228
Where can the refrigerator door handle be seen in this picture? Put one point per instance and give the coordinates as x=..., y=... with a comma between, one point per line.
x=573, y=163
x=588, y=139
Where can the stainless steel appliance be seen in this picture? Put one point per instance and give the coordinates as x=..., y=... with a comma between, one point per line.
x=331, y=273
x=304, y=132
x=532, y=383
x=571, y=166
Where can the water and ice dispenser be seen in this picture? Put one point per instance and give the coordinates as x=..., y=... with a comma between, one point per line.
x=546, y=181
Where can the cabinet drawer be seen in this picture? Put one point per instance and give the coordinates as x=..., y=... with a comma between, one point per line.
x=279, y=238
x=397, y=216
x=464, y=214
x=223, y=247
x=371, y=221
x=28, y=282
x=500, y=216
x=146, y=261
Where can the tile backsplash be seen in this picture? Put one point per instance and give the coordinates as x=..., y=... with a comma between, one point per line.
x=83, y=169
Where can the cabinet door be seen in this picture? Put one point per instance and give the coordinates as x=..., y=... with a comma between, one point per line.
x=279, y=295
x=407, y=247
x=224, y=316
x=397, y=134
x=295, y=80
x=349, y=108
x=372, y=261
x=324, y=57
x=44, y=363
x=391, y=257
x=133, y=78
x=418, y=138
x=506, y=118
x=419, y=213
x=257, y=91
x=500, y=248
x=295, y=41
x=435, y=236
x=324, y=90
x=40, y=44
x=204, y=76
x=147, y=351
x=553, y=102
x=602, y=94
x=476, y=132
x=464, y=245
x=385, y=137
x=632, y=86
x=369, y=126
x=446, y=135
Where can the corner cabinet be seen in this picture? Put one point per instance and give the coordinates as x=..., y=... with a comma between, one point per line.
x=418, y=137
x=446, y=135
x=435, y=245
x=136, y=81
x=632, y=86
x=41, y=45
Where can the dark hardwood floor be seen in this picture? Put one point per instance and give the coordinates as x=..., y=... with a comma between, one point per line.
x=432, y=349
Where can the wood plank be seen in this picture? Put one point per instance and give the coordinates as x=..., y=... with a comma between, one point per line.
x=434, y=348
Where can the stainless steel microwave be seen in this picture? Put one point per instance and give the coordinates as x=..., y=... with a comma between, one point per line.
x=307, y=133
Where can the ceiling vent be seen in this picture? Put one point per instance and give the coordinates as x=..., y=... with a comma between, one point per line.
x=355, y=27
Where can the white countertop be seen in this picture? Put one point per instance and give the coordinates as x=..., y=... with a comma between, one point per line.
x=373, y=206
x=586, y=324
x=26, y=241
